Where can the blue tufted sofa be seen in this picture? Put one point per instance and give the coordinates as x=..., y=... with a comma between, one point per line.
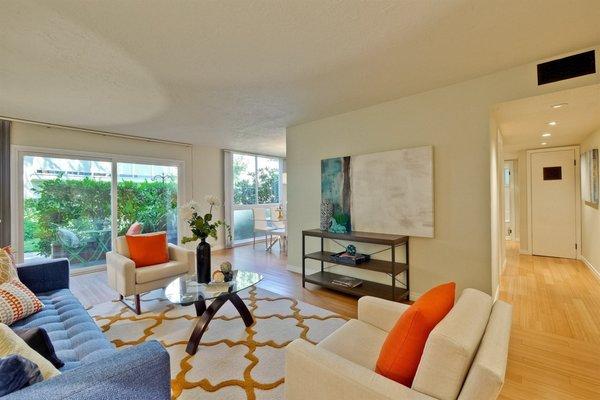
x=93, y=368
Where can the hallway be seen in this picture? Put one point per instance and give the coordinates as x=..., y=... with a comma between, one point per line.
x=555, y=341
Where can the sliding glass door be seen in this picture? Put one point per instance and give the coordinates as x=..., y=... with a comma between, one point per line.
x=147, y=194
x=66, y=209
x=67, y=205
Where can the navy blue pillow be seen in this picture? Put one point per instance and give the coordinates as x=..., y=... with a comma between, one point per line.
x=38, y=339
x=16, y=373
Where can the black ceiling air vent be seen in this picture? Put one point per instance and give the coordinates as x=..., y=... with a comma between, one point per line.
x=567, y=68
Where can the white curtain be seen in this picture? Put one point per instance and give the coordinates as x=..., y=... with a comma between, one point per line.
x=4, y=183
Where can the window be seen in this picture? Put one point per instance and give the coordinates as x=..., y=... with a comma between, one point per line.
x=67, y=207
x=244, y=179
x=147, y=194
x=267, y=180
x=256, y=183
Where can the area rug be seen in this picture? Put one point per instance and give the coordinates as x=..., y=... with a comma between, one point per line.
x=232, y=362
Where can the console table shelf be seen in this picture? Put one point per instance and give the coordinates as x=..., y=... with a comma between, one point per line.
x=368, y=288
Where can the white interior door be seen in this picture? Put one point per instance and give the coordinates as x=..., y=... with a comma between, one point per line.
x=553, y=203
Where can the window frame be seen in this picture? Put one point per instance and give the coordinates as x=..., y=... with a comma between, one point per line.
x=255, y=205
x=18, y=153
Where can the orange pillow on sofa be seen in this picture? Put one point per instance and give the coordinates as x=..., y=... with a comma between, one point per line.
x=401, y=352
x=148, y=249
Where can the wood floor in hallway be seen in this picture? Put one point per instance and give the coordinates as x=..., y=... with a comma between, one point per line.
x=555, y=341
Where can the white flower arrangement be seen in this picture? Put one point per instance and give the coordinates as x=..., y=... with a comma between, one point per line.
x=201, y=226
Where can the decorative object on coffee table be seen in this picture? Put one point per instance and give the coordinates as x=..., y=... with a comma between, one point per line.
x=326, y=214
x=203, y=261
x=202, y=228
x=186, y=290
x=227, y=270
x=218, y=276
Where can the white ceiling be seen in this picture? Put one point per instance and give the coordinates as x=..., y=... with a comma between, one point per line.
x=523, y=122
x=235, y=73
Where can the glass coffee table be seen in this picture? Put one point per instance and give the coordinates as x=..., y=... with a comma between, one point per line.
x=186, y=290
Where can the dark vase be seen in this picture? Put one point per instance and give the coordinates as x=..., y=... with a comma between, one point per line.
x=203, y=261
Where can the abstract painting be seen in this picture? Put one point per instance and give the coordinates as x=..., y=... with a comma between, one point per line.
x=589, y=178
x=387, y=192
x=335, y=185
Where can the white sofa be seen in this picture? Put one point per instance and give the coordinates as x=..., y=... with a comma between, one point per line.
x=128, y=280
x=464, y=357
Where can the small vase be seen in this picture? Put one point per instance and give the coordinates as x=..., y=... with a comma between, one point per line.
x=203, y=261
x=326, y=214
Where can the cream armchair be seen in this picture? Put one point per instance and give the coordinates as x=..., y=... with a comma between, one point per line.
x=464, y=357
x=128, y=280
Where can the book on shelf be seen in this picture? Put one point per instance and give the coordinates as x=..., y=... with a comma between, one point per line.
x=347, y=281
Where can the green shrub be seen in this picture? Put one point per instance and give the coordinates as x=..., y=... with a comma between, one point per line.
x=85, y=205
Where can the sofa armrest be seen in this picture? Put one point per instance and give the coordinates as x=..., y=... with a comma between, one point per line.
x=45, y=276
x=121, y=273
x=315, y=373
x=140, y=372
x=380, y=313
x=181, y=254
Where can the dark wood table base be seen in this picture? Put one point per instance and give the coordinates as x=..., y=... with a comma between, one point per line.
x=206, y=314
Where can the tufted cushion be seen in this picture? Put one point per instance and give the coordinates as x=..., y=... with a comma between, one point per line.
x=76, y=338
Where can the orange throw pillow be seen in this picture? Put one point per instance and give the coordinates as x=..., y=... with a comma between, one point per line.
x=147, y=249
x=401, y=352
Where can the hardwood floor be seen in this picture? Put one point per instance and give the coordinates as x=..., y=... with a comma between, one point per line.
x=555, y=341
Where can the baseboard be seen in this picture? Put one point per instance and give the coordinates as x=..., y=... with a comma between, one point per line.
x=497, y=293
x=295, y=269
x=591, y=267
x=526, y=252
x=87, y=270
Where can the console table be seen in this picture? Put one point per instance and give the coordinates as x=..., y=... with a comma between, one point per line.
x=368, y=288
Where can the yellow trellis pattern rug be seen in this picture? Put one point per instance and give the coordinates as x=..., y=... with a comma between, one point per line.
x=232, y=362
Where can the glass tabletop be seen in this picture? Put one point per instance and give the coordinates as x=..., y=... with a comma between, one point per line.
x=186, y=289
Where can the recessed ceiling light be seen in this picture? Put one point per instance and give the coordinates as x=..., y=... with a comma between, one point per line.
x=544, y=143
x=546, y=134
x=559, y=105
x=552, y=123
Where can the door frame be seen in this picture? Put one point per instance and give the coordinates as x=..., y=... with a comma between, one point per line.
x=577, y=196
x=18, y=152
x=512, y=200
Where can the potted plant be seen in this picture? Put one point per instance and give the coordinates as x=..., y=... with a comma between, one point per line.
x=202, y=226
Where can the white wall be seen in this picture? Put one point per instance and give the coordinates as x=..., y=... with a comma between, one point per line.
x=207, y=173
x=498, y=244
x=456, y=121
x=202, y=166
x=590, y=217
